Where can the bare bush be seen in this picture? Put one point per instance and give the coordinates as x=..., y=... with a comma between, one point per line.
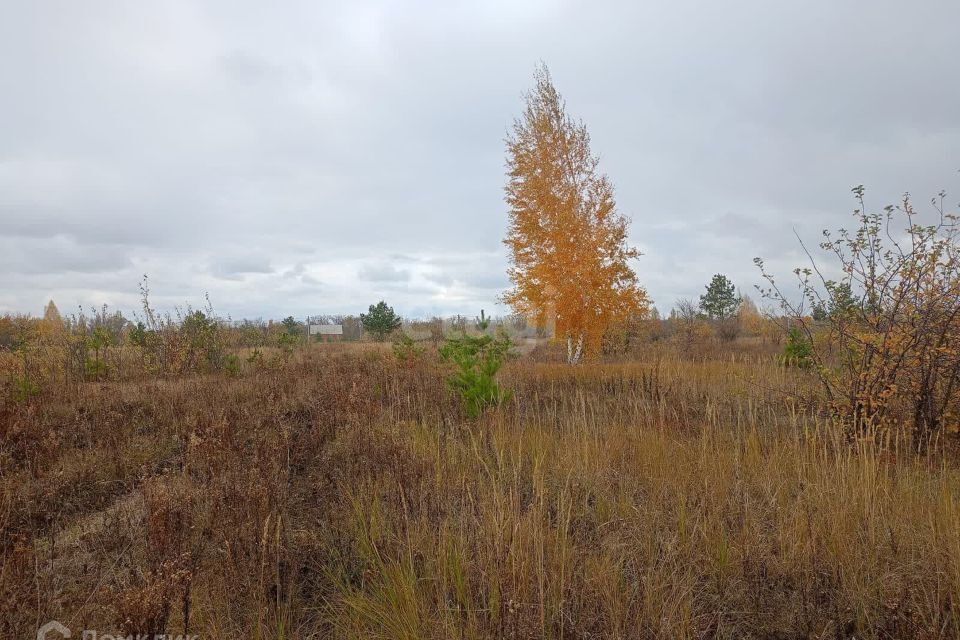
x=887, y=349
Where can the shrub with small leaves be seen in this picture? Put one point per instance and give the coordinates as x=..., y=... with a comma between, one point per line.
x=884, y=344
x=201, y=334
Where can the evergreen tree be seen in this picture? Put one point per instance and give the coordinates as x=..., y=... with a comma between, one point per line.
x=380, y=320
x=477, y=359
x=721, y=299
x=839, y=303
x=292, y=327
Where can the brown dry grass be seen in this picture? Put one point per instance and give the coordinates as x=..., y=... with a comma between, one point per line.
x=343, y=495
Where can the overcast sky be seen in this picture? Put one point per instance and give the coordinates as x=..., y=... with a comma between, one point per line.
x=310, y=157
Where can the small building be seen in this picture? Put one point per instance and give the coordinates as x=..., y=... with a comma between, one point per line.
x=327, y=332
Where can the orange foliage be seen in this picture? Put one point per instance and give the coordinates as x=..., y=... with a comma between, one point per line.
x=568, y=244
x=749, y=318
x=886, y=353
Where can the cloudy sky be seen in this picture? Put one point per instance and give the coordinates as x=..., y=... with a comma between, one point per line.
x=311, y=157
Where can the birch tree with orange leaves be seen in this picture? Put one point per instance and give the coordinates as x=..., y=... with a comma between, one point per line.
x=569, y=256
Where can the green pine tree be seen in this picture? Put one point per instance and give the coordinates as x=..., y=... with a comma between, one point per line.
x=380, y=321
x=477, y=360
x=721, y=299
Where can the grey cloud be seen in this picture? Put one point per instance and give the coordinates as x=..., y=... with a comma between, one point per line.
x=239, y=266
x=249, y=68
x=355, y=150
x=381, y=272
x=59, y=255
x=441, y=278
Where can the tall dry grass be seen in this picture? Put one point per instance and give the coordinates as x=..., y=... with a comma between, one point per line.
x=342, y=494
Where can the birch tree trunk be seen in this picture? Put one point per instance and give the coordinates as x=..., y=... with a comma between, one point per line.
x=574, y=354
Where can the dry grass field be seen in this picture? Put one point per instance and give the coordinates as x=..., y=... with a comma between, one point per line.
x=343, y=494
